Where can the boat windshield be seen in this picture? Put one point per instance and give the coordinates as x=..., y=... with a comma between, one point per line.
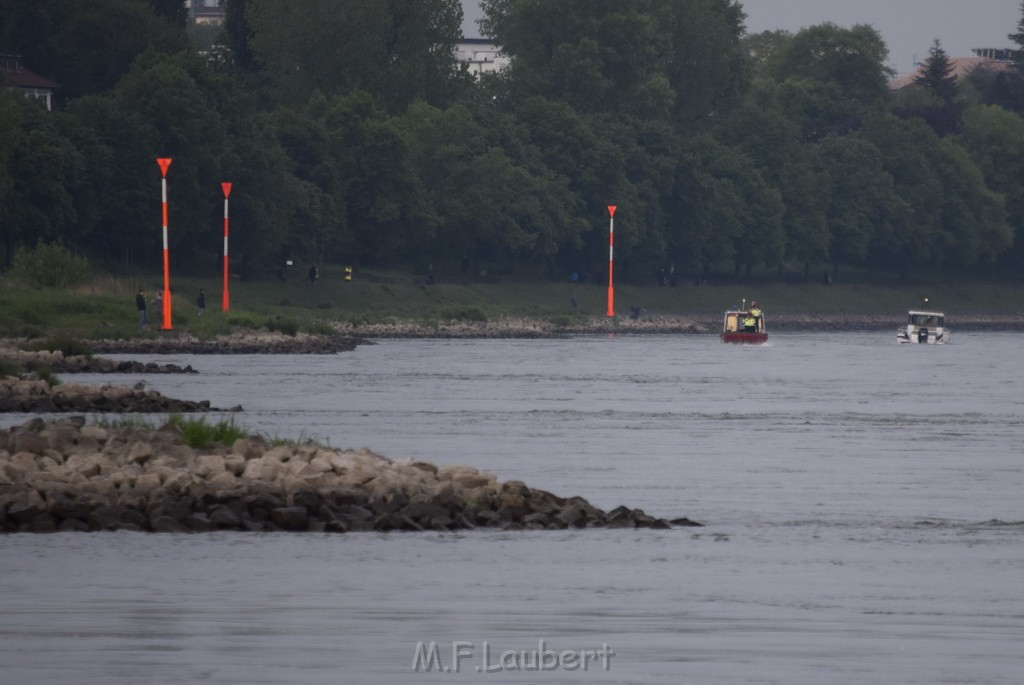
x=925, y=320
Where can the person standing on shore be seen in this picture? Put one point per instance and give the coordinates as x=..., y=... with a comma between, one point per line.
x=201, y=303
x=140, y=304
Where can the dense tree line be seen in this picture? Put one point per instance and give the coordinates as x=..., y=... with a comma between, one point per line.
x=350, y=135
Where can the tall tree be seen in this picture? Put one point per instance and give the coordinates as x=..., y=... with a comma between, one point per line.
x=937, y=75
x=853, y=59
x=763, y=46
x=172, y=10
x=238, y=35
x=10, y=139
x=651, y=59
x=954, y=219
x=774, y=130
x=705, y=63
x=1018, y=40
x=862, y=203
x=87, y=45
x=597, y=56
x=994, y=138
x=399, y=51
x=39, y=167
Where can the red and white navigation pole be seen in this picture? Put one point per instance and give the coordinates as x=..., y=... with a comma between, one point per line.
x=226, y=187
x=611, y=259
x=165, y=162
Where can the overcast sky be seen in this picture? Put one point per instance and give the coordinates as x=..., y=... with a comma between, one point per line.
x=909, y=27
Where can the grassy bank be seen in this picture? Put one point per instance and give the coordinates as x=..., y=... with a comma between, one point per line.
x=104, y=308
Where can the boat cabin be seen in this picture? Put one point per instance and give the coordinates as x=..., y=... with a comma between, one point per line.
x=924, y=328
x=735, y=328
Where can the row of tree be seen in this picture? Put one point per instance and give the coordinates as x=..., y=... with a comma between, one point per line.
x=349, y=134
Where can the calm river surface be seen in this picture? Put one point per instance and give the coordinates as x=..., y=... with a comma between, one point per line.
x=862, y=502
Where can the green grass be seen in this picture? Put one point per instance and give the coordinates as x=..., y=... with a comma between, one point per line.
x=198, y=433
x=195, y=432
x=113, y=422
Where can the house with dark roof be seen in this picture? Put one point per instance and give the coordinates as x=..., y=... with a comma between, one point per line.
x=991, y=59
x=14, y=74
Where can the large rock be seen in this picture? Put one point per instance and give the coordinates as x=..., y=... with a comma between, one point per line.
x=290, y=518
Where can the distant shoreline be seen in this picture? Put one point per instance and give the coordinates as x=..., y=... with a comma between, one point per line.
x=348, y=336
x=512, y=327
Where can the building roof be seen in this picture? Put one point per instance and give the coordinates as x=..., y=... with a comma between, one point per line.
x=14, y=73
x=962, y=66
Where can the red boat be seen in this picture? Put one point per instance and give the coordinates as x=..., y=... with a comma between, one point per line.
x=733, y=330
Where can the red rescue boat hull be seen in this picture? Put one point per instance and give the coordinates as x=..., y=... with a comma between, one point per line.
x=743, y=337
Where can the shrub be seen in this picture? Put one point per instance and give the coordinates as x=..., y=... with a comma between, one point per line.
x=65, y=344
x=319, y=328
x=45, y=373
x=283, y=325
x=9, y=369
x=560, y=320
x=50, y=266
x=30, y=316
x=468, y=314
x=244, y=320
x=198, y=433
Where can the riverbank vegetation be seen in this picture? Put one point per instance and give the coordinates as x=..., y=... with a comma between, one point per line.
x=770, y=154
x=103, y=307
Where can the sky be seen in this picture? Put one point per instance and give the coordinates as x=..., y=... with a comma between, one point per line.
x=908, y=27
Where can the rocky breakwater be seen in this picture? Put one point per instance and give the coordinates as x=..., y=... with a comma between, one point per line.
x=237, y=343
x=69, y=476
x=39, y=397
x=521, y=327
x=57, y=362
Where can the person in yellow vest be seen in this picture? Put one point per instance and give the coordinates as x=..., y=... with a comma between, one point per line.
x=749, y=323
x=348, y=274
x=755, y=312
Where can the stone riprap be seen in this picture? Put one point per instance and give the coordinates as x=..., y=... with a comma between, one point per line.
x=72, y=476
x=38, y=397
x=246, y=342
x=57, y=362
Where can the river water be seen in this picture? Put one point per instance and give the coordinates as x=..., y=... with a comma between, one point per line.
x=862, y=503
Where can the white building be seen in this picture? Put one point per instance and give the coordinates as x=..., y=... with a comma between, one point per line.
x=481, y=55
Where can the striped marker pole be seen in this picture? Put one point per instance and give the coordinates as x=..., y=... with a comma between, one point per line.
x=164, y=163
x=224, y=305
x=611, y=259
